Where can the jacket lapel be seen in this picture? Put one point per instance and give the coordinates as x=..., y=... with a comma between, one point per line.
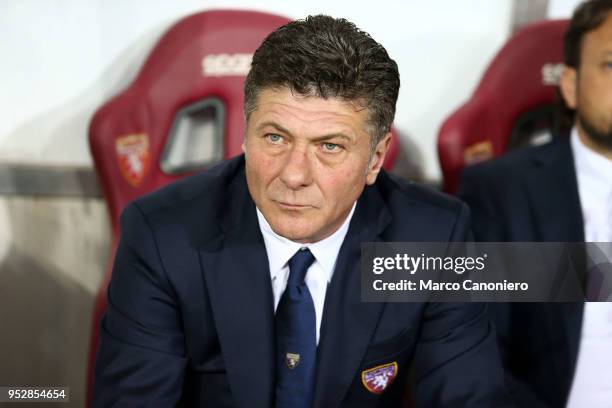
x=554, y=199
x=235, y=268
x=348, y=323
x=553, y=193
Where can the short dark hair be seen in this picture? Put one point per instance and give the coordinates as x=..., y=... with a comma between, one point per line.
x=587, y=17
x=327, y=57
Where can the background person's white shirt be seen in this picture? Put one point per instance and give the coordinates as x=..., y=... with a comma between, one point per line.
x=592, y=385
x=281, y=249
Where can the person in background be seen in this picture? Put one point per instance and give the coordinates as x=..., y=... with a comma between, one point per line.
x=557, y=355
x=241, y=286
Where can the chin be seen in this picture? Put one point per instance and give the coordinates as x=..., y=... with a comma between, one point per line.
x=293, y=234
x=289, y=230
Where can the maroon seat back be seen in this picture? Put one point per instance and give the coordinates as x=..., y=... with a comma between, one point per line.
x=519, y=85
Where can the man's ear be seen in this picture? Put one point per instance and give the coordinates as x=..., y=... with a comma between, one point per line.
x=378, y=158
x=567, y=84
x=243, y=146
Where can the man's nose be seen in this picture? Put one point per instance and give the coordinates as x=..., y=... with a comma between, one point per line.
x=297, y=171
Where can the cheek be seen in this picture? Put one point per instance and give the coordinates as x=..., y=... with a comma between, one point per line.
x=595, y=106
x=261, y=166
x=595, y=91
x=343, y=187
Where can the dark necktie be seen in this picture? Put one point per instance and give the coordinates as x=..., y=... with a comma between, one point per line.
x=296, y=343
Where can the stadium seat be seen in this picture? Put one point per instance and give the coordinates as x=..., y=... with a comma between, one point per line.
x=513, y=105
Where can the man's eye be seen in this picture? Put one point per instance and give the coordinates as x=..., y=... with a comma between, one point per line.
x=331, y=147
x=274, y=138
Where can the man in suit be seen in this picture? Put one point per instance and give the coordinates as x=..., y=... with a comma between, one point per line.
x=557, y=355
x=240, y=287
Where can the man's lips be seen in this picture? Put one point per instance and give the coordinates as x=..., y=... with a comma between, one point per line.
x=292, y=206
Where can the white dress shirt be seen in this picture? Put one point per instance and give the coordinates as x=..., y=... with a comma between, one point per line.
x=592, y=385
x=318, y=276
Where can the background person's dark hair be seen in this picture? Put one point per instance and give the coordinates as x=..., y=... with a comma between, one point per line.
x=329, y=58
x=587, y=17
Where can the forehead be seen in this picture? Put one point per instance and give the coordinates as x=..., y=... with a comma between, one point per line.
x=282, y=106
x=599, y=39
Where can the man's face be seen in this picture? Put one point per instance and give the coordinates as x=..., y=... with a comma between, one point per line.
x=588, y=90
x=307, y=161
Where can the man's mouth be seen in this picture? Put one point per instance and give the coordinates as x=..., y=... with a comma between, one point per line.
x=292, y=206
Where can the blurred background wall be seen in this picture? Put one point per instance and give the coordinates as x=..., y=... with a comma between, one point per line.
x=61, y=59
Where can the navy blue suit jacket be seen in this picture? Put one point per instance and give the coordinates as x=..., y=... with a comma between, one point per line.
x=190, y=317
x=531, y=195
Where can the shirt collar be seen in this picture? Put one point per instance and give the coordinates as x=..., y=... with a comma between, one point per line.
x=591, y=167
x=281, y=249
